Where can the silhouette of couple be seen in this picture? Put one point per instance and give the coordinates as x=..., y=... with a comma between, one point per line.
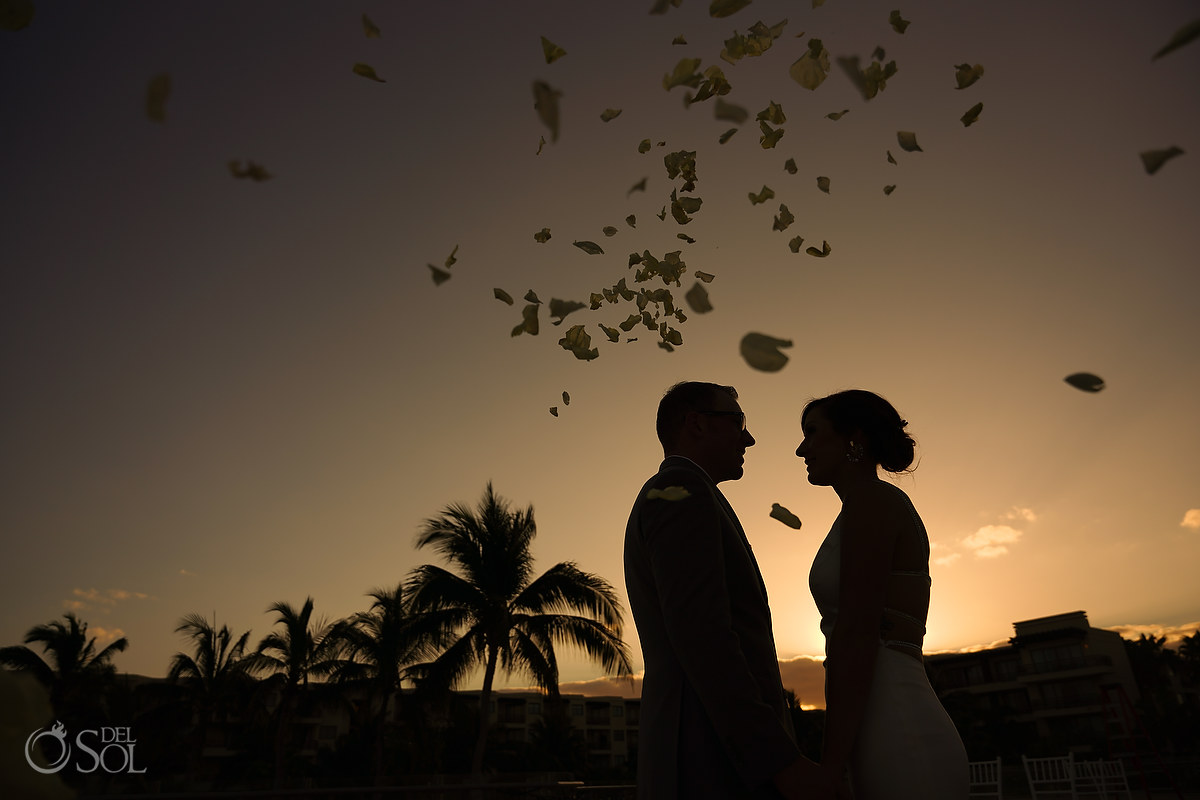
x=713, y=719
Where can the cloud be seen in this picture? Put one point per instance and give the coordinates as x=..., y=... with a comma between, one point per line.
x=105, y=636
x=185, y=572
x=991, y=541
x=605, y=687
x=93, y=599
x=1173, y=633
x=805, y=675
x=1192, y=519
x=1022, y=514
x=945, y=561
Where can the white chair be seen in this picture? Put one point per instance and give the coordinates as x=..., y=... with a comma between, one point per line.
x=1101, y=779
x=985, y=778
x=1051, y=777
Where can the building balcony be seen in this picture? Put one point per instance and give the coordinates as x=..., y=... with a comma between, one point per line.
x=1060, y=669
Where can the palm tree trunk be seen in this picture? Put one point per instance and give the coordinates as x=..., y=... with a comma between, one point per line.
x=484, y=717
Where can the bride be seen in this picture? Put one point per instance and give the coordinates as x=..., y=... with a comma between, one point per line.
x=870, y=580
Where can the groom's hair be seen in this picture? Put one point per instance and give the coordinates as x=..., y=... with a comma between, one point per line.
x=679, y=400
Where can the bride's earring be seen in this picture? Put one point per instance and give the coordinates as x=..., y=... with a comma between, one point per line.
x=855, y=453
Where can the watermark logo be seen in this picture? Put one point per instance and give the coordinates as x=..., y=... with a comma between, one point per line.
x=109, y=749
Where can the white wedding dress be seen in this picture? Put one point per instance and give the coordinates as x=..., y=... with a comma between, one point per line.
x=907, y=748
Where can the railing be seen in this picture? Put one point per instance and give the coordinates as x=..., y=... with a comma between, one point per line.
x=1064, y=664
x=560, y=790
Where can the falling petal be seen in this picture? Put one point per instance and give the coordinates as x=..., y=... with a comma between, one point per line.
x=786, y=517
x=794, y=244
x=679, y=40
x=783, y=219
x=889, y=188
x=836, y=115
x=908, y=141
x=898, y=23
x=440, y=276
x=541, y=144
x=661, y=6
x=811, y=69
x=640, y=186
x=671, y=493
x=682, y=164
x=253, y=171
x=579, y=342
x=560, y=308
x=610, y=114
x=500, y=294
x=762, y=352
x=1182, y=36
x=766, y=194
x=727, y=135
x=367, y=71
x=684, y=74
x=789, y=166
x=554, y=411
x=613, y=334
x=685, y=238
x=551, y=51
x=631, y=221
x=730, y=112
x=770, y=137
x=591, y=248
x=870, y=81
x=566, y=399
x=545, y=101
x=529, y=321
x=531, y=297
x=972, y=116
x=773, y=114
x=824, y=251
x=823, y=184
x=890, y=159
x=1153, y=160
x=157, y=92
x=370, y=29
x=697, y=299
x=965, y=74
x=15, y=15
x=1085, y=381
x=704, y=276
x=542, y=236
x=450, y=259
x=725, y=8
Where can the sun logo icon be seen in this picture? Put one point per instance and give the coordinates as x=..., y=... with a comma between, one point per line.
x=58, y=732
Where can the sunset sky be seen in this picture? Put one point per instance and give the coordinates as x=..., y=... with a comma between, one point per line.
x=221, y=393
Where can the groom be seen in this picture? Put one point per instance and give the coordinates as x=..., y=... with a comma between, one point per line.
x=713, y=719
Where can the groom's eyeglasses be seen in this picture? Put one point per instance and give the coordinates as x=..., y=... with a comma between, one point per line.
x=741, y=414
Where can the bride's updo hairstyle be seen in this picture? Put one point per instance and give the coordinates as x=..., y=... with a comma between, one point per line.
x=886, y=443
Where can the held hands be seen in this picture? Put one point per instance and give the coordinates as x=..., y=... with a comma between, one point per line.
x=804, y=780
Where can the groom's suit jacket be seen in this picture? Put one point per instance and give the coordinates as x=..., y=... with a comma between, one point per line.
x=713, y=720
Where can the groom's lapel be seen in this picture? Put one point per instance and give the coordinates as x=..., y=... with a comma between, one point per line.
x=737, y=524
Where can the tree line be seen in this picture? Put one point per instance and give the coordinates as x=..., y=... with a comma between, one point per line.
x=418, y=641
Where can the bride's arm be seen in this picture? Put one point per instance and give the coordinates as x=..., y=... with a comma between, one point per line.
x=868, y=541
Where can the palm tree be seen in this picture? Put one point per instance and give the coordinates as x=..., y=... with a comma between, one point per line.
x=214, y=669
x=75, y=670
x=292, y=656
x=380, y=645
x=497, y=616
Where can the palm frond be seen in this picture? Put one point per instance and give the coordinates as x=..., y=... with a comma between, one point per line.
x=565, y=587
